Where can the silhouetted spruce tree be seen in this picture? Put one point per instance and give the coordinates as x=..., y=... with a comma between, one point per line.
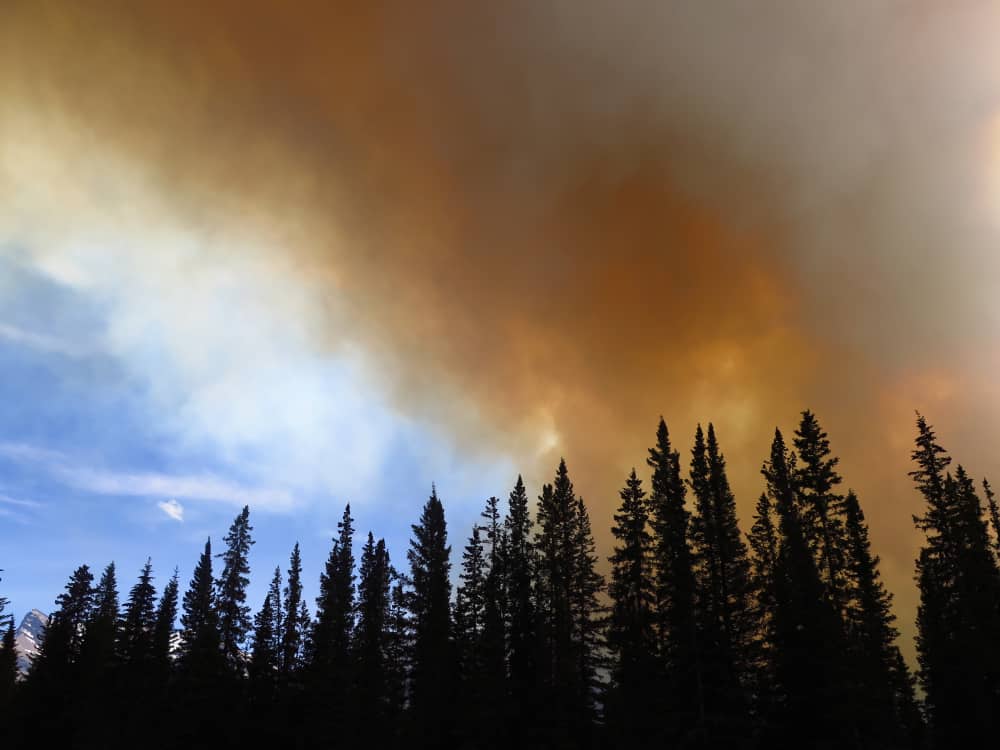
x=883, y=699
x=99, y=668
x=8, y=673
x=994, y=512
x=470, y=607
x=53, y=681
x=683, y=707
x=370, y=644
x=135, y=642
x=292, y=711
x=821, y=508
x=163, y=630
x=959, y=612
x=62, y=642
x=263, y=679
x=398, y=651
x=492, y=727
x=805, y=629
x=231, y=590
x=589, y=618
x=521, y=620
x=433, y=662
x=293, y=634
x=139, y=668
x=201, y=664
x=556, y=559
x=763, y=541
x=98, y=652
x=330, y=663
x=630, y=709
x=277, y=613
x=726, y=613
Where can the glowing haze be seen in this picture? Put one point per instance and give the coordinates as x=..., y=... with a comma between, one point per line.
x=526, y=228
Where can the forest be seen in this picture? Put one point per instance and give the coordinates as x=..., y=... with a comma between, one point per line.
x=703, y=634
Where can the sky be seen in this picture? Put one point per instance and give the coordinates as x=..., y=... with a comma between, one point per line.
x=301, y=254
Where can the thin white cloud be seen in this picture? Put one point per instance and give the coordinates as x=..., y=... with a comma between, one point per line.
x=199, y=487
x=172, y=508
x=39, y=341
x=8, y=500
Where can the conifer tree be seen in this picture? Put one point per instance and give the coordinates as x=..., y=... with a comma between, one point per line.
x=676, y=627
x=277, y=614
x=263, y=668
x=138, y=619
x=470, y=604
x=230, y=589
x=201, y=664
x=398, y=651
x=763, y=542
x=883, y=701
x=631, y=706
x=371, y=647
x=959, y=612
x=330, y=653
x=733, y=605
x=54, y=678
x=492, y=727
x=335, y=605
x=63, y=638
x=805, y=631
x=588, y=619
x=201, y=645
x=433, y=670
x=8, y=670
x=994, y=511
x=519, y=570
x=821, y=508
x=99, y=645
x=166, y=616
x=293, y=634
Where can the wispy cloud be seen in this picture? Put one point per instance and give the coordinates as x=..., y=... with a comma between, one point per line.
x=200, y=487
x=8, y=500
x=172, y=508
x=39, y=341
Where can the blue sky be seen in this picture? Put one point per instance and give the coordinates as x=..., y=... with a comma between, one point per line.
x=136, y=418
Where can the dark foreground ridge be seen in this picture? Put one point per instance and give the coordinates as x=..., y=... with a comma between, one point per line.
x=704, y=637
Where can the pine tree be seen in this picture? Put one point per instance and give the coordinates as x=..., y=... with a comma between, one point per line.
x=492, y=728
x=763, y=542
x=54, y=679
x=263, y=668
x=201, y=666
x=166, y=616
x=330, y=663
x=880, y=712
x=8, y=671
x=399, y=649
x=433, y=669
x=200, y=655
x=137, y=622
x=631, y=637
x=293, y=634
x=676, y=629
x=335, y=604
x=588, y=618
x=805, y=632
x=821, y=509
x=99, y=645
x=277, y=613
x=62, y=642
x=371, y=646
x=470, y=605
x=230, y=593
x=959, y=612
x=519, y=570
x=994, y=511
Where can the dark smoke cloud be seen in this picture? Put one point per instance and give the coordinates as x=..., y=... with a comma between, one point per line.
x=552, y=222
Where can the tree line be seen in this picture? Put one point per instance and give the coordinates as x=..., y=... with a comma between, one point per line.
x=702, y=637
